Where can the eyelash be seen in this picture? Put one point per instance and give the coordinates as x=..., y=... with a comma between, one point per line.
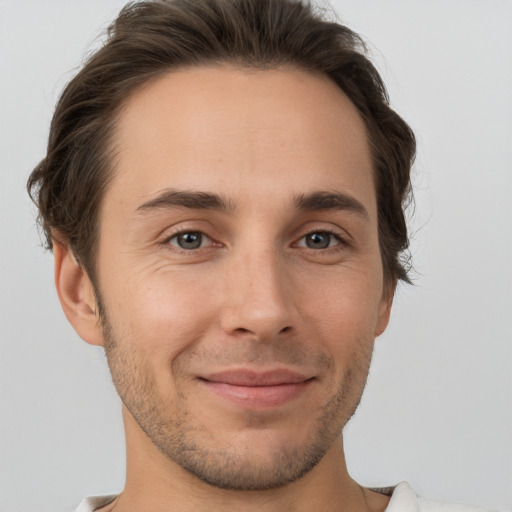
x=176, y=247
x=341, y=245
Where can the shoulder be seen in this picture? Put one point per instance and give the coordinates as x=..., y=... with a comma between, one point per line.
x=94, y=503
x=404, y=499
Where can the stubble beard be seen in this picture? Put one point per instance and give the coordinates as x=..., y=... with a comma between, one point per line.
x=190, y=445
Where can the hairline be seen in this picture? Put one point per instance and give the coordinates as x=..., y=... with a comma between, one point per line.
x=111, y=146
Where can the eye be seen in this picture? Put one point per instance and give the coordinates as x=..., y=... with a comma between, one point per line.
x=319, y=240
x=189, y=240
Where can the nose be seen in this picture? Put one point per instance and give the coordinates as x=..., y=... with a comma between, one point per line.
x=259, y=298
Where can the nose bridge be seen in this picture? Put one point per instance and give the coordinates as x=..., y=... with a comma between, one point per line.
x=258, y=293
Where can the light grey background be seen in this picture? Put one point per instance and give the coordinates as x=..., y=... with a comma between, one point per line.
x=438, y=407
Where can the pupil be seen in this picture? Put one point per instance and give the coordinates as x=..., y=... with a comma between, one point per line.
x=318, y=240
x=190, y=240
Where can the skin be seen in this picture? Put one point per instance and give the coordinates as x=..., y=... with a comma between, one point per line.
x=256, y=295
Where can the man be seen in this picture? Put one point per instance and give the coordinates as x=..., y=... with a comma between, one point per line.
x=223, y=192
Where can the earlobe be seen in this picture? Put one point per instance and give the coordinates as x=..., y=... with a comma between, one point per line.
x=76, y=294
x=385, y=309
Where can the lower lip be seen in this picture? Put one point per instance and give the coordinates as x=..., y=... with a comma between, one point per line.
x=258, y=397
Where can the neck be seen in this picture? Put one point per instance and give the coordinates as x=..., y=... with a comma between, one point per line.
x=154, y=483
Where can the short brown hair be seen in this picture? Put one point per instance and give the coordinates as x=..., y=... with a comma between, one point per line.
x=153, y=37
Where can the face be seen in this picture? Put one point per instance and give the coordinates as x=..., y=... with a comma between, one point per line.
x=239, y=270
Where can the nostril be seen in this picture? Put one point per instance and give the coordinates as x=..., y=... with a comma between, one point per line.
x=285, y=329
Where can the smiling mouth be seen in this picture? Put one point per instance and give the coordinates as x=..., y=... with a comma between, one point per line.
x=257, y=390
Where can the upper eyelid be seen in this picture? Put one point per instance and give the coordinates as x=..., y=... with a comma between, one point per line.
x=170, y=232
x=339, y=233
x=168, y=238
x=182, y=231
x=336, y=235
x=322, y=230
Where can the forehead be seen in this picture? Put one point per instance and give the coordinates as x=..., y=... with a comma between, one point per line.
x=225, y=128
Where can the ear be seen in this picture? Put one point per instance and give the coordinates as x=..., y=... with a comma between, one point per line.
x=76, y=294
x=386, y=302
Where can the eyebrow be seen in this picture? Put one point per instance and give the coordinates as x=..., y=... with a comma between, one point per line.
x=325, y=200
x=197, y=200
x=171, y=198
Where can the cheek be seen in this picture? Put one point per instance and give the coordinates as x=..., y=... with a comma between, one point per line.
x=161, y=314
x=342, y=311
x=356, y=288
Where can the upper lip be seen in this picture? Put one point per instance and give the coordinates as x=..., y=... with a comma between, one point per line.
x=248, y=377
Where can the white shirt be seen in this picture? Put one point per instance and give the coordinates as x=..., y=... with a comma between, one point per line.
x=403, y=499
